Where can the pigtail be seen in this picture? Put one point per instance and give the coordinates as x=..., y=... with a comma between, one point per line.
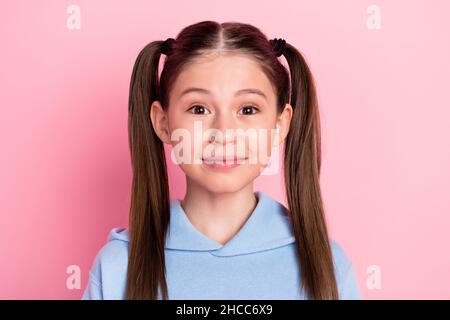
x=302, y=161
x=150, y=203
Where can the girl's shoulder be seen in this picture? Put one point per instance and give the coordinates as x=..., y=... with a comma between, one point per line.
x=107, y=275
x=115, y=250
x=340, y=256
x=345, y=272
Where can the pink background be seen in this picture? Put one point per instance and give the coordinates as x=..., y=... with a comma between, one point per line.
x=383, y=94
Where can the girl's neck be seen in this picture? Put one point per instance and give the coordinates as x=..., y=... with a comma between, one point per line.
x=219, y=216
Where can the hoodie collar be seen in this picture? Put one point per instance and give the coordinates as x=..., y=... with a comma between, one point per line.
x=268, y=227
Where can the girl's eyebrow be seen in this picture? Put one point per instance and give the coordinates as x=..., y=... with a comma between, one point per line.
x=239, y=92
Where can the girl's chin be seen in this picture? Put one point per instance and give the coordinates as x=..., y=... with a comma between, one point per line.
x=219, y=181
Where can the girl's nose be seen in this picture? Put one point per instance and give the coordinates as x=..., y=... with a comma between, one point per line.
x=226, y=125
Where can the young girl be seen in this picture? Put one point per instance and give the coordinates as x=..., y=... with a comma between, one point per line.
x=223, y=240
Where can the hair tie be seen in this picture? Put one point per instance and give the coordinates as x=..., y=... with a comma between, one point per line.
x=278, y=45
x=167, y=46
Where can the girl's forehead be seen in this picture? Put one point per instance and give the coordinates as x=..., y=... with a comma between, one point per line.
x=222, y=73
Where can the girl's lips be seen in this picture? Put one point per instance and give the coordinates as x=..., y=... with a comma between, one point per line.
x=223, y=163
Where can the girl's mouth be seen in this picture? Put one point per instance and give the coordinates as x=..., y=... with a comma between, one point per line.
x=224, y=163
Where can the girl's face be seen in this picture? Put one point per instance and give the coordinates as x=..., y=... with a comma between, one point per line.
x=222, y=121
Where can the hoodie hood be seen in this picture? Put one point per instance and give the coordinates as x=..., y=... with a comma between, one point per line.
x=268, y=227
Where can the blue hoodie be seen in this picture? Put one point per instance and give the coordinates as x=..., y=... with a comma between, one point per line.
x=259, y=262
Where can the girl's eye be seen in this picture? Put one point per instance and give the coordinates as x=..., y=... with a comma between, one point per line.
x=247, y=110
x=199, y=109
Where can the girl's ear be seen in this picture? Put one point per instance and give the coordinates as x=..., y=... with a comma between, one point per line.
x=283, y=125
x=159, y=120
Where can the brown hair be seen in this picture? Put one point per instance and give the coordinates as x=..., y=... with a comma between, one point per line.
x=150, y=203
